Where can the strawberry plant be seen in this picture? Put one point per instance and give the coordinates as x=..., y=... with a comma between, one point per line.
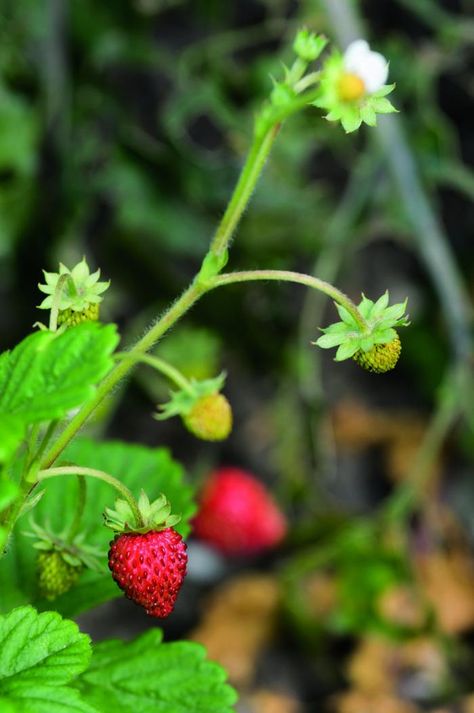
x=55, y=484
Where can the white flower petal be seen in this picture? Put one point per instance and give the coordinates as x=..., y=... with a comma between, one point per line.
x=371, y=67
x=375, y=72
x=355, y=52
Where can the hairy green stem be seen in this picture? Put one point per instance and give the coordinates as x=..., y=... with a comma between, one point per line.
x=94, y=473
x=301, y=279
x=177, y=309
x=160, y=365
x=248, y=178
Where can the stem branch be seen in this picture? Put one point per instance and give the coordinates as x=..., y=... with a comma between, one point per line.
x=162, y=366
x=93, y=473
x=289, y=276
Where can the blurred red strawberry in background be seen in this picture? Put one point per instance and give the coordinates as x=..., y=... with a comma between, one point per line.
x=237, y=514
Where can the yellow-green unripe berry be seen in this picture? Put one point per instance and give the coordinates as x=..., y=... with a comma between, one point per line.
x=71, y=317
x=381, y=358
x=55, y=575
x=210, y=418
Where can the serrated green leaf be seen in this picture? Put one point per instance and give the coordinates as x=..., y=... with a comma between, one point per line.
x=9, y=706
x=330, y=340
x=137, y=467
x=12, y=432
x=40, y=648
x=50, y=699
x=149, y=676
x=48, y=373
x=346, y=350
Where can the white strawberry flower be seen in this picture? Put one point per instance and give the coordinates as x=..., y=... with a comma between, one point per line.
x=353, y=88
x=371, y=67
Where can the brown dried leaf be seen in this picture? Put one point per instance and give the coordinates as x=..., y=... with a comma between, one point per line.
x=379, y=665
x=239, y=621
x=448, y=582
x=363, y=702
x=401, y=605
x=272, y=702
x=321, y=594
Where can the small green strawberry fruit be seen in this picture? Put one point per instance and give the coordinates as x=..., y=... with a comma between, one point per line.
x=381, y=357
x=71, y=318
x=205, y=412
x=210, y=418
x=55, y=575
x=61, y=559
x=371, y=339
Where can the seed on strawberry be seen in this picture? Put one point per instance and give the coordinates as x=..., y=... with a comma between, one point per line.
x=238, y=515
x=55, y=575
x=210, y=418
x=150, y=568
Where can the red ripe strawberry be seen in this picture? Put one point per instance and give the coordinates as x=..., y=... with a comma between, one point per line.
x=150, y=568
x=148, y=557
x=237, y=514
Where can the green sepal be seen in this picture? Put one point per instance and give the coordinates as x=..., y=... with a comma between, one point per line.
x=181, y=402
x=155, y=515
x=308, y=46
x=73, y=551
x=350, y=338
x=79, y=291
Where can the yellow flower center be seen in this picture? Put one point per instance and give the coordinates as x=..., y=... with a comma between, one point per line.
x=351, y=87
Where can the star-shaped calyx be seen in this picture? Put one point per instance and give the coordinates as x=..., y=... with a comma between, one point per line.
x=376, y=346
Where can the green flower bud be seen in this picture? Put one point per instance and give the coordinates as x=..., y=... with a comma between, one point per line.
x=309, y=46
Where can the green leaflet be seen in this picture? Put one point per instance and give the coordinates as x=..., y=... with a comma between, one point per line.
x=49, y=373
x=149, y=676
x=12, y=431
x=40, y=655
x=138, y=467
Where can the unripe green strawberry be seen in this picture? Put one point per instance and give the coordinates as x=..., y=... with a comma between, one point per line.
x=71, y=317
x=55, y=575
x=381, y=358
x=210, y=418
